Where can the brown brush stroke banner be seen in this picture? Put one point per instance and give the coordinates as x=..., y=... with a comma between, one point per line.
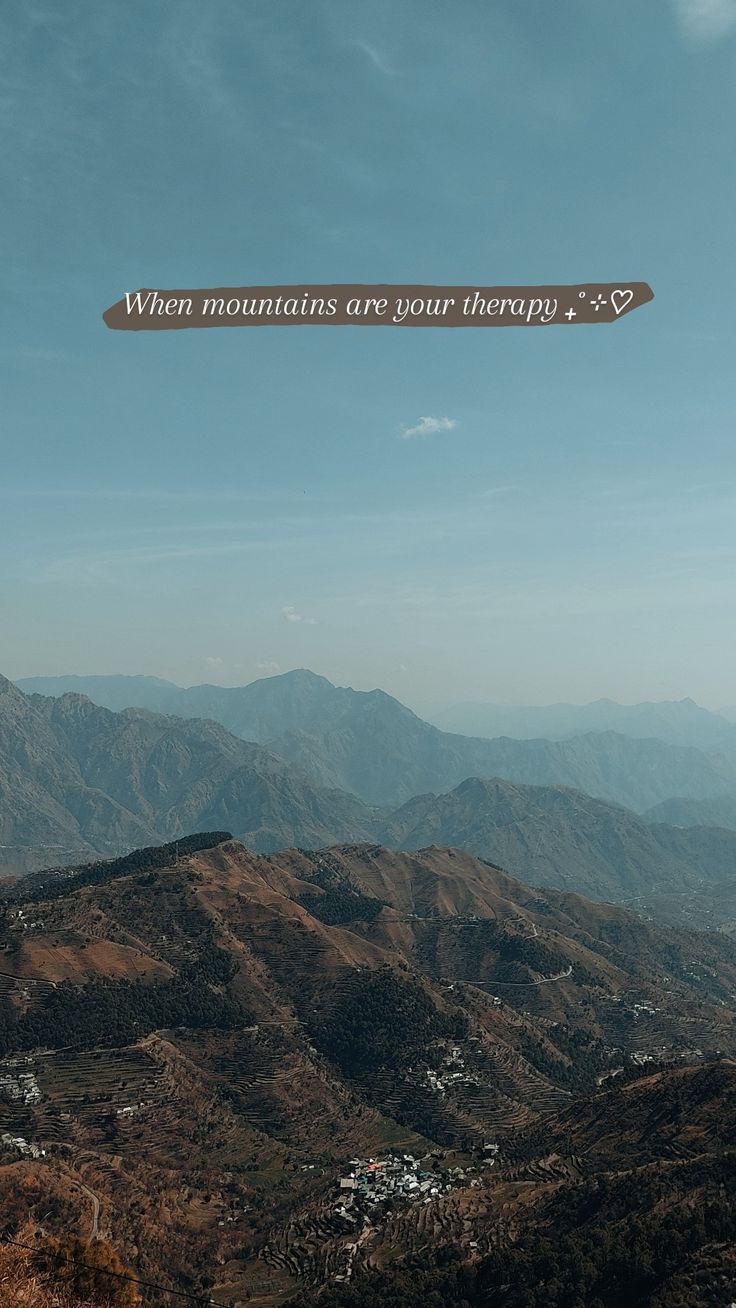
x=377, y=306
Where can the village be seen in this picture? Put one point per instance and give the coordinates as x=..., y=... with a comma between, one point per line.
x=18, y=1144
x=452, y=1072
x=401, y=1177
x=20, y=1087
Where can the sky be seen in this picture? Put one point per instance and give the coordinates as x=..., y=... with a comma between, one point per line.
x=502, y=515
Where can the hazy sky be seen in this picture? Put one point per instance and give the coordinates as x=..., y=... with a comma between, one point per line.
x=217, y=505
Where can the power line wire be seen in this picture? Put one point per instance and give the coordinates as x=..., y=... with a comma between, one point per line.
x=120, y=1276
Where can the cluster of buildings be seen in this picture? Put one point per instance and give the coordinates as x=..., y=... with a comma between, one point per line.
x=19, y=922
x=131, y=1109
x=451, y=1072
x=373, y=1180
x=662, y=1054
x=20, y=1087
x=20, y=1145
x=401, y=1177
x=638, y=1009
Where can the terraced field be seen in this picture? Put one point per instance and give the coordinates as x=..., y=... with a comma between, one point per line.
x=212, y=1093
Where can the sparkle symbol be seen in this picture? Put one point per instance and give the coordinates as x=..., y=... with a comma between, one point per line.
x=598, y=302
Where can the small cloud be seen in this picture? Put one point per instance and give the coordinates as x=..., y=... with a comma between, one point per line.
x=268, y=667
x=427, y=427
x=493, y=491
x=706, y=20
x=216, y=670
x=375, y=57
x=291, y=615
x=403, y=667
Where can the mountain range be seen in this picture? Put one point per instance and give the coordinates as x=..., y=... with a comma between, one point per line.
x=369, y=744
x=677, y=722
x=519, y=1088
x=78, y=781
x=718, y=811
x=554, y=836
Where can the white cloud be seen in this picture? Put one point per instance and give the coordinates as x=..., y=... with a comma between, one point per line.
x=268, y=666
x=291, y=615
x=706, y=19
x=427, y=427
x=375, y=57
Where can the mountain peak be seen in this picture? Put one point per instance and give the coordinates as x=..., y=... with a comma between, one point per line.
x=301, y=676
x=10, y=692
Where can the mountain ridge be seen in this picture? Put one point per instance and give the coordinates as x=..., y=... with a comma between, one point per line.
x=78, y=782
x=672, y=721
x=237, y=1032
x=84, y=780
x=371, y=745
x=557, y=836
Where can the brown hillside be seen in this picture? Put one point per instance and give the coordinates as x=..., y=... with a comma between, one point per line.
x=304, y=1009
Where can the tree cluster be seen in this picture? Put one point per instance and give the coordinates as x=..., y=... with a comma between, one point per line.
x=56, y=883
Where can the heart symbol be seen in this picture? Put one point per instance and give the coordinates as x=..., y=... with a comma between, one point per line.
x=621, y=300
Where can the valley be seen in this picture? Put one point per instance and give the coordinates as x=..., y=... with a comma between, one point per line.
x=463, y=1048
x=385, y=1042
x=371, y=745
x=80, y=781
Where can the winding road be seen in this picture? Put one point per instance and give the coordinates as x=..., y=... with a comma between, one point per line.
x=95, y=1228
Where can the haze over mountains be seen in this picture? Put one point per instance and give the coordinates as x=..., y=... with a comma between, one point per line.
x=554, y=836
x=368, y=743
x=719, y=811
x=678, y=722
x=78, y=780
x=397, y=960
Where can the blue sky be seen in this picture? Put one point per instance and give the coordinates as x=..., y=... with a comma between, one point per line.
x=219, y=505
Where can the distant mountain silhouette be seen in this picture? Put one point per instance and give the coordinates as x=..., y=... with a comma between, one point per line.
x=554, y=836
x=369, y=744
x=676, y=722
x=720, y=811
x=109, y=692
x=77, y=779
